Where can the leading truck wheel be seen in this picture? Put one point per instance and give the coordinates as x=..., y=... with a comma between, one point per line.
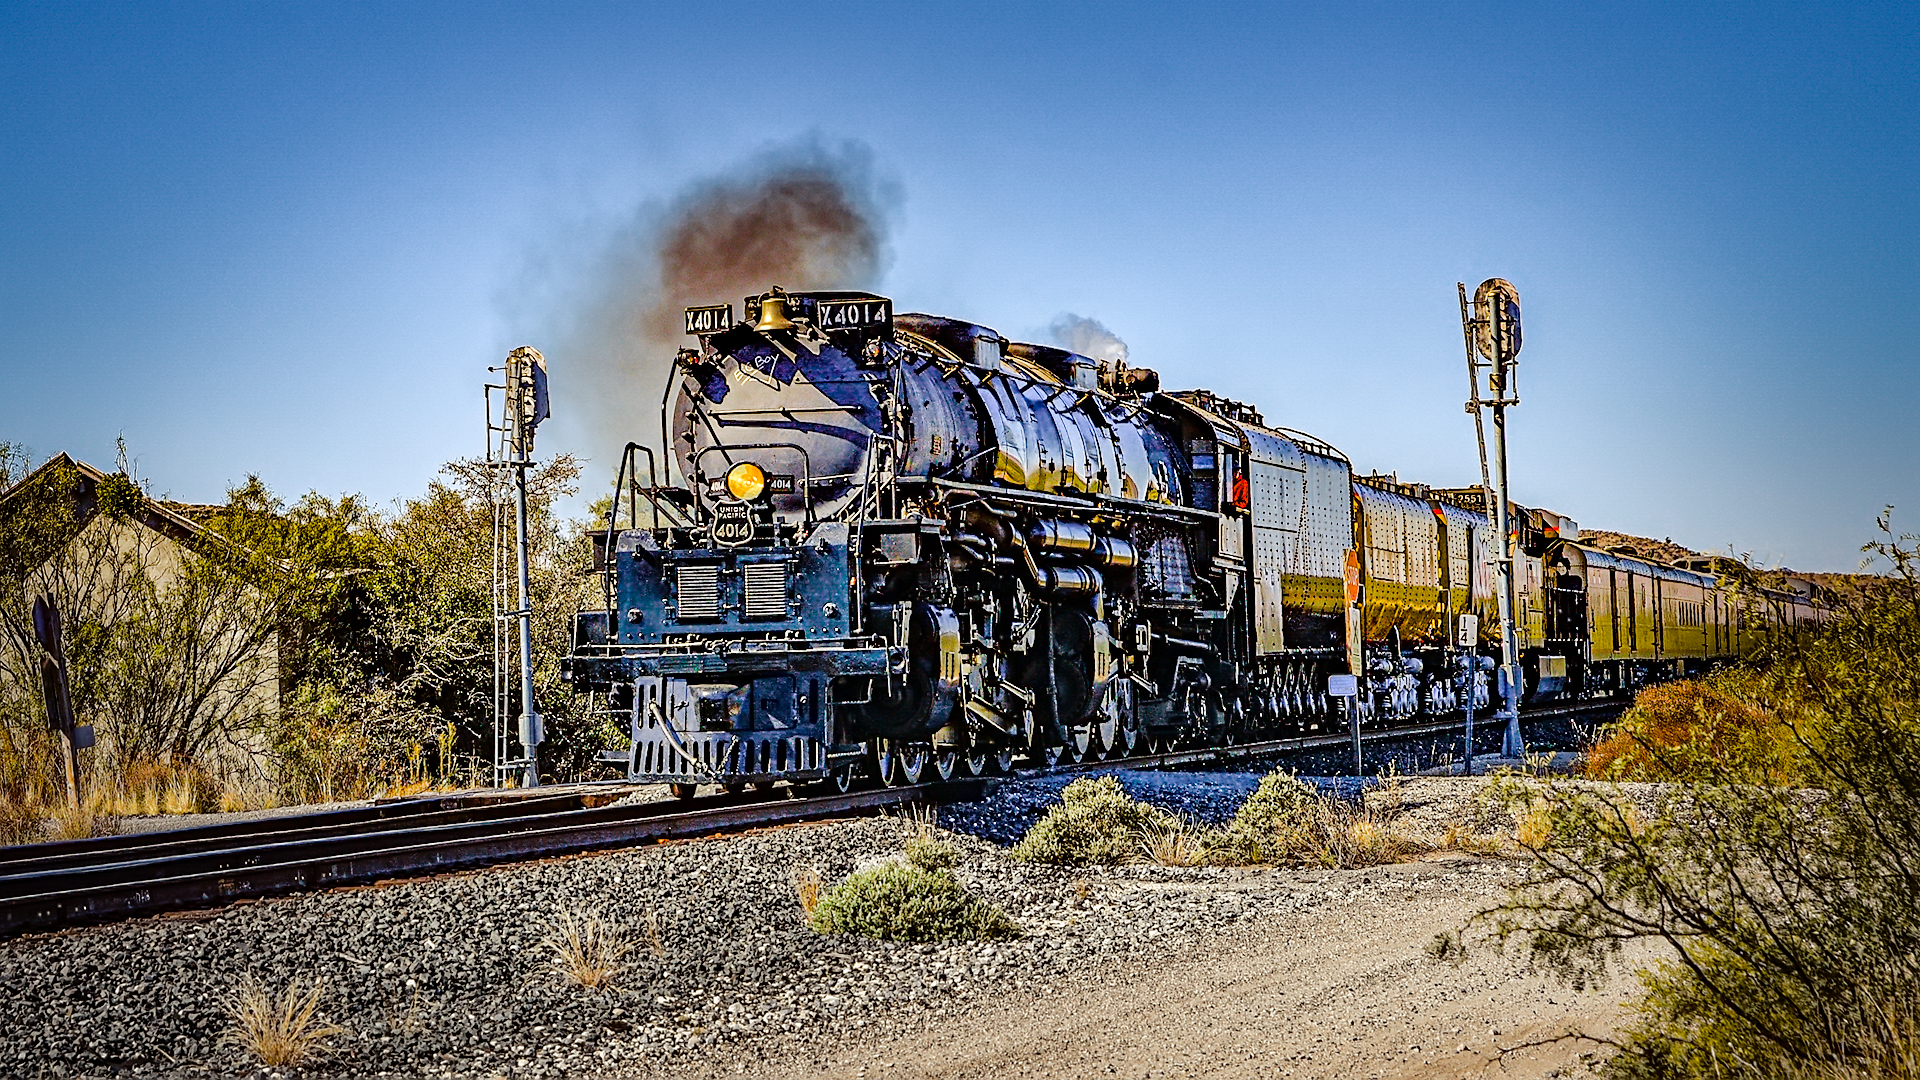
x=837, y=782
x=682, y=791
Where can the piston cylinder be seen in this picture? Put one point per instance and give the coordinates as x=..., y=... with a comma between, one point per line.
x=1073, y=580
x=1115, y=553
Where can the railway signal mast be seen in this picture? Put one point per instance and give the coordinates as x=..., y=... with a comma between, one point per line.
x=1492, y=332
x=510, y=449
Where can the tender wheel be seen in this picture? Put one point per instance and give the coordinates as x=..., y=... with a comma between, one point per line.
x=1003, y=761
x=976, y=763
x=946, y=763
x=681, y=791
x=837, y=782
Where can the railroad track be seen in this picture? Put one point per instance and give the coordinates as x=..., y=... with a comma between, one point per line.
x=71, y=883
x=55, y=885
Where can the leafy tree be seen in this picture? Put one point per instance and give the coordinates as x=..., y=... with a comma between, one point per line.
x=355, y=646
x=1785, y=888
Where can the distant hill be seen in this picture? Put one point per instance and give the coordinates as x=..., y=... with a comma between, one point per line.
x=1665, y=551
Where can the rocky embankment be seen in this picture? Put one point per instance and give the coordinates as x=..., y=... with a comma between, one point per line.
x=447, y=977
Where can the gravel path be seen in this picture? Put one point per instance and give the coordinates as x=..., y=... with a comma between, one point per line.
x=445, y=977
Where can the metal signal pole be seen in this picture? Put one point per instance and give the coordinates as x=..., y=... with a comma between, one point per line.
x=524, y=406
x=1492, y=331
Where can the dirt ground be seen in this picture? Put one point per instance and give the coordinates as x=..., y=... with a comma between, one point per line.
x=1338, y=990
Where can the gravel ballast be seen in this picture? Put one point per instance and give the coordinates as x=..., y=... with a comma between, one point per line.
x=445, y=976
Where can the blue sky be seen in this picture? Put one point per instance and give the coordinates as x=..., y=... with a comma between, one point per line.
x=288, y=239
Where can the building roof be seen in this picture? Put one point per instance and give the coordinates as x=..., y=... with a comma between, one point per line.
x=184, y=522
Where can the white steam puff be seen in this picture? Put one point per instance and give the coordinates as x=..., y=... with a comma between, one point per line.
x=802, y=216
x=1077, y=333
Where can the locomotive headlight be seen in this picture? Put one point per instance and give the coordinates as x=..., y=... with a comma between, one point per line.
x=746, y=481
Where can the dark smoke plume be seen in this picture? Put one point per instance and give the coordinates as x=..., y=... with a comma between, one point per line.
x=1077, y=333
x=803, y=216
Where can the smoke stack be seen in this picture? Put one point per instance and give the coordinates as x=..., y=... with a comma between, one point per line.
x=1077, y=333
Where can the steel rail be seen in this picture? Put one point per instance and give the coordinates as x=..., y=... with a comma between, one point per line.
x=29, y=859
x=18, y=875
x=99, y=894
x=386, y=811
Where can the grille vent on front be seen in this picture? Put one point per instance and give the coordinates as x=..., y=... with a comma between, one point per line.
x=764, y=590
x=699, y=592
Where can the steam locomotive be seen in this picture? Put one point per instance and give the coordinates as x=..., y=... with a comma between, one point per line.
x=904, y=546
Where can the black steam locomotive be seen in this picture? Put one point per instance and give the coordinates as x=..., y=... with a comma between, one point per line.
x=906, y=546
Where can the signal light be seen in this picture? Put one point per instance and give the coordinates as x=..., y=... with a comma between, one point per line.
x=746, y=481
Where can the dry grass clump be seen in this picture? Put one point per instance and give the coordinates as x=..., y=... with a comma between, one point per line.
x=925, y=847
x=1174, y=845
x=21, y=822
x=1312, y=829
x=157, y=787
x=282, y=1030
x=1535, y=826
x=248, y=795
x=1462, y=837
x=1894, y=1055
x=83, y=824
x=806, y=886
x=588, y=950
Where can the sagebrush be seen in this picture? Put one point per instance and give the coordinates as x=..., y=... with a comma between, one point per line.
x=900, y=901
x=1096, y=824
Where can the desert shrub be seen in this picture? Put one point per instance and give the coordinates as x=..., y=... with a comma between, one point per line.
x=1278, y=800
x=1790, y=911
x=1715, y=725
x=1288, y=821
x=926, y=848
x=898, y=901
x=1096, y=824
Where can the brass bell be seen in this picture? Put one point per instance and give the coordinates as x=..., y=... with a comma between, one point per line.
x=773, y=312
